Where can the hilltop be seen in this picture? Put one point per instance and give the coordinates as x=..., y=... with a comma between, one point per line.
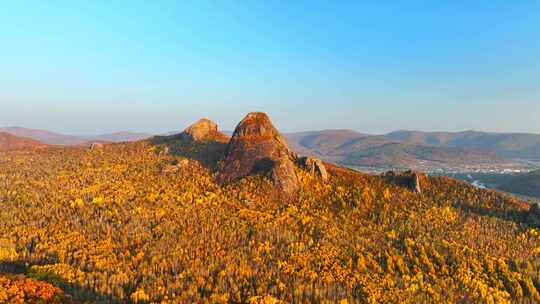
x=147, y=221
x=9, y=142
x=53, y=138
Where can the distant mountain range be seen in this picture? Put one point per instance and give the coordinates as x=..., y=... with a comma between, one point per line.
x=400, y=149
x=510, y=145
x=418, y=150
x=53, y=138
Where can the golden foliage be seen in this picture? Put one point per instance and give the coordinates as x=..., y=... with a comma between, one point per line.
x=112, y=227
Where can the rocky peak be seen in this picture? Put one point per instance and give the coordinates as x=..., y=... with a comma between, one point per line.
x=256, y=147
x=257, y=126
x=203, y=129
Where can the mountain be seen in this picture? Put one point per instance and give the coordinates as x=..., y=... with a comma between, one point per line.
x=405, y=155
x=53, y=138
x=401, y=149
x=257, y=147
x=509, y=145
x=526, y=184
x=114, y=225
x=201, y=141
x=120, y=136
x=414, y=149
x=47, y=137
x=321, y=142
x=10, y=142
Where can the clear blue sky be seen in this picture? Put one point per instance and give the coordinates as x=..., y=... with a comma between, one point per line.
x=98, y=66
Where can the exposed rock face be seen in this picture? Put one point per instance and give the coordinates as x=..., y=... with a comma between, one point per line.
x=257, y=147
x=96, y=146
x=411, y=179
x=164, y=152
x=203, y=130
x=533, y=215
x=176, y=166
x=315, y=166
x=415, y=183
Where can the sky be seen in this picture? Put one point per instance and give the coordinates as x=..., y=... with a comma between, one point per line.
x=88, y=67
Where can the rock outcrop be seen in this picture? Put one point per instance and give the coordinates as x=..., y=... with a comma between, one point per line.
x=202, y=141
x=414, y=184
x=203, y=130
x=165, y=151
x=314, y=166
x=413, y=180
x=175, y=166
x=256, y=147
x=533, y=215
x=96, y=146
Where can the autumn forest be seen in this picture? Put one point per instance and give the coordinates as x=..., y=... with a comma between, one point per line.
x=160, y=221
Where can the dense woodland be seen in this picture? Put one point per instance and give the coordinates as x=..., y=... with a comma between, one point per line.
x=115, y=224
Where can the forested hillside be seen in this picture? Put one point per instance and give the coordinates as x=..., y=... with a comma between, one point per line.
x=525, y=184
x=117, y=224
x=436, y=151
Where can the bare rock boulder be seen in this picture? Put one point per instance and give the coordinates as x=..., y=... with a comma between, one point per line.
x=96, y=146
x=164, y=152
x=256, y=147
x=413, y=180
x=314, y=166
x=176, y=166
x=414, y=183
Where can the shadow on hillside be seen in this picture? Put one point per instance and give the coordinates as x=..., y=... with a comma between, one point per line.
x=518, y=216
x=75, y=293
x=13, y=267
x=207, y=153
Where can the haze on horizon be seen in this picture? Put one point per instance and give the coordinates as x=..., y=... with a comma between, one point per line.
x=98, y=67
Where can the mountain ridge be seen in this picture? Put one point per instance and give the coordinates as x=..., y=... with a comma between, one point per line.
x=55, y=138
x=438, y=150
x=511, y=145
x=10, y=142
